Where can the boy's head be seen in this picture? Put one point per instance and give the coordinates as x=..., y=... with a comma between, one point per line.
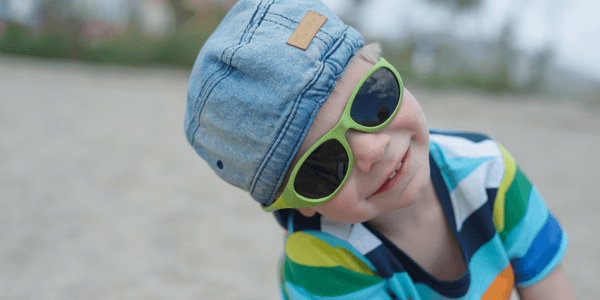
x=254, y=93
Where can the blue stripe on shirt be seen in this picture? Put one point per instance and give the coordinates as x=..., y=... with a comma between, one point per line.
x=471, y=136
x=519, y=239
x=375, y=292
x=542, y=251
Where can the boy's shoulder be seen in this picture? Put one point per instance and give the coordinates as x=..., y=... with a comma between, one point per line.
x=472, y=136
x=468, y=160
x=463, y=144
x=470, y=156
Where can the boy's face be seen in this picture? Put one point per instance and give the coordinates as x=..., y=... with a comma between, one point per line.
x=403, y=142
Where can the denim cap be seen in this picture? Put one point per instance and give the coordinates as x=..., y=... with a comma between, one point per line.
x=252, y=97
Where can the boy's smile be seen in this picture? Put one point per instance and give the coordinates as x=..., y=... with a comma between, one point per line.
x=395, y=177
x=400, y=151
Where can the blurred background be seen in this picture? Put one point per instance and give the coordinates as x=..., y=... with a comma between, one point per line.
x=102, y=198
x=530, y=46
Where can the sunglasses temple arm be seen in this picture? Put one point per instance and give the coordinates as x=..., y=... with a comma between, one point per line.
x=279, y=204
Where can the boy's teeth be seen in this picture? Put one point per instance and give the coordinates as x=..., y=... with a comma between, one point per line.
x=395, y=172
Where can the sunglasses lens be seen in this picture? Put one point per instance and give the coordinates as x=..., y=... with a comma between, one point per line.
x=376, y=99
x=323, y=171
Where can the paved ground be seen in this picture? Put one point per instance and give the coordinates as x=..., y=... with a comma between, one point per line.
x=102, y=198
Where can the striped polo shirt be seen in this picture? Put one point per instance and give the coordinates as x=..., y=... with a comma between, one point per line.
x=505, y=232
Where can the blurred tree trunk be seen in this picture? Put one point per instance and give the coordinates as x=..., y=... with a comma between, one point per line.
x=182, y=12
x=459, y=5
x=61, y=29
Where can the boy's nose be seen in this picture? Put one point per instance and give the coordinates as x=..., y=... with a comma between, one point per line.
x=367, y=148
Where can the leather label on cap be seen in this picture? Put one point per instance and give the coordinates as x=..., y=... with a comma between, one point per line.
x=306, y=30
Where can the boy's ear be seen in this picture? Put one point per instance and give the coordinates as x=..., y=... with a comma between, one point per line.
x=307, y=211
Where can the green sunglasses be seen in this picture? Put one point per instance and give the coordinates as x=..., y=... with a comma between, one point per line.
x=325, y=167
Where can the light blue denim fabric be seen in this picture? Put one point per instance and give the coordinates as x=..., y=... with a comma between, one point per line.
x=252, y=97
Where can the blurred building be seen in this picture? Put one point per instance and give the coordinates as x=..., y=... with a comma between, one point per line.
x=27, y=13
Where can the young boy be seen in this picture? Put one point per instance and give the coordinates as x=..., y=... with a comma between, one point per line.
x=283, y=104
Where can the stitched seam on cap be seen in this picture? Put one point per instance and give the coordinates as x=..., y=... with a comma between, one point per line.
x=342, y=40
x=228, y=53
x=288, y=123
x=216, y=78
x=286, y=26
x=295, y=22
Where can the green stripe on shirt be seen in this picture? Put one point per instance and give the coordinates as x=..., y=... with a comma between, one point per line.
x=327, y=281
x=515, y=203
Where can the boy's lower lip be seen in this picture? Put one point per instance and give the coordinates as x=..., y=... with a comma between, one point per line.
x=392, y=182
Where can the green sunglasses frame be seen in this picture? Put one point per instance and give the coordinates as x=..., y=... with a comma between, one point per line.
x=290, y=198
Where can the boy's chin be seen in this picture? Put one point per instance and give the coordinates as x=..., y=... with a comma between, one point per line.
x=307, y=211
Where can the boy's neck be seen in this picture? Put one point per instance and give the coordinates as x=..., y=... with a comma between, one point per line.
x=422, y=232
x=416, y=216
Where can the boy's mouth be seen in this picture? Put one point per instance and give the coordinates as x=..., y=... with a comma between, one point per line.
x=394, y=177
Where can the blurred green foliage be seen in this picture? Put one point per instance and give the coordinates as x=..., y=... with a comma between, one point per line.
x=61, y=38
x=400, y=57
x=65, y=39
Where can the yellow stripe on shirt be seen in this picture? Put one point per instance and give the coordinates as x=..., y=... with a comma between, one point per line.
x=510, y=169
x=308, y=250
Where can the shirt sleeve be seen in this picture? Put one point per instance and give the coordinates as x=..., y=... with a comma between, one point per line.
x=532, y=237
x=314, y=268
